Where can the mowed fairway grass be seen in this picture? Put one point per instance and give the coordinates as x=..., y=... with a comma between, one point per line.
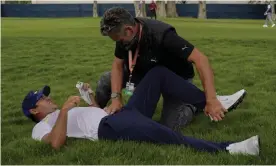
x=60, y=52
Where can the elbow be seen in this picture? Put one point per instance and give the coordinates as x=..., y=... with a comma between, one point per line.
x=56, y=145
x=57, y=148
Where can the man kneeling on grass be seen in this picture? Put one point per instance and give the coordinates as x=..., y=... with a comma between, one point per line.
x=132, y=122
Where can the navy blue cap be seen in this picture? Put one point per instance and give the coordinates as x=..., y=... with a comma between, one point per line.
x=32, y=98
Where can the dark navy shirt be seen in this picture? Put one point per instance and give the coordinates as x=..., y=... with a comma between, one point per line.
x=172, y=53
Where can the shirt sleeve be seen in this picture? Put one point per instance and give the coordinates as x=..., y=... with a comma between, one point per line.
x=40, y=130
x=120, y=52
x=175, y=45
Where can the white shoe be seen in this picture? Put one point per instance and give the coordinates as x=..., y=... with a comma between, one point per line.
x=232, y=101
x=246, y=147
x=273, y=25
x=264, y=26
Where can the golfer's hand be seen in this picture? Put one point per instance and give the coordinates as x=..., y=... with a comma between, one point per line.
x=115, y=106
x=265, y=14
x=72, y=101
x=215, y=110
x=85, y=86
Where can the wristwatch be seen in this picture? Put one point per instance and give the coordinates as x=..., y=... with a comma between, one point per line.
x=115, y=95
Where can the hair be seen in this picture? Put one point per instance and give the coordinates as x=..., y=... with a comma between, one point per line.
x=115, y=18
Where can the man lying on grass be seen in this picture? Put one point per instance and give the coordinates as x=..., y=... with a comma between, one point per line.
x=132, y=122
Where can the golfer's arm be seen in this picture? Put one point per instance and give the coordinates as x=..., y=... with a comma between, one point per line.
x=205, y=72
x=57, y=137
x=117, y=75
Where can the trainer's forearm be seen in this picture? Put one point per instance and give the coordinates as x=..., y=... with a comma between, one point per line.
x=116, y=77
x=207, y=77
x=58, y=133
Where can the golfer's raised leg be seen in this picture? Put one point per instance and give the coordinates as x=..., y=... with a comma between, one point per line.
x=161, y=80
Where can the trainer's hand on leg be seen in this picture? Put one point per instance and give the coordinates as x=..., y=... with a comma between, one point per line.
x=115, y=106
x=215, y=110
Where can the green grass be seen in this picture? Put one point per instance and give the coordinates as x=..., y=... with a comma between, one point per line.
x=60, y=52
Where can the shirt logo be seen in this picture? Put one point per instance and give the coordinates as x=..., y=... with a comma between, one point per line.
x=184, y=48
x=153, y=60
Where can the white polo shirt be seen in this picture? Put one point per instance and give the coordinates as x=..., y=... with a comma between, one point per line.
x=82, y=122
